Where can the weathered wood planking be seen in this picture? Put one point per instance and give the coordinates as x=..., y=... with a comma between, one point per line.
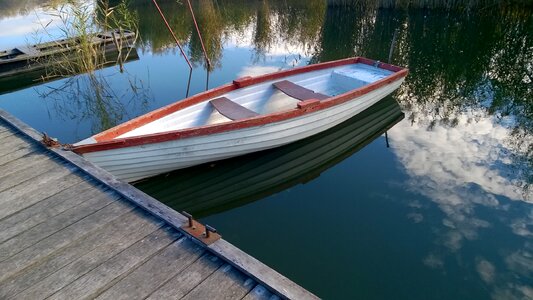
x=34, y=235
x=260, y=293
x=68, y=262
x=225, y=283
x=194, y=274
x=44, y=210
x=107, y=274
x=163, y=266
x=125, y=232
x=69, y=230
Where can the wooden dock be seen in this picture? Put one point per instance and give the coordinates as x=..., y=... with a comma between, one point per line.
x=69, y=230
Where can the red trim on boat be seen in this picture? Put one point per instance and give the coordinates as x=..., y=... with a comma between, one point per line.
x=161, y=112
x=106, y=140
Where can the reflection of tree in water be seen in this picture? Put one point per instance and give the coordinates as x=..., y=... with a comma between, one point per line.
x=478, y=65
x=345, y=31
x=9, y=8
x=92, y=96
x=263, y=29
x=300, y=21
x=211, y=27
x=292, y=22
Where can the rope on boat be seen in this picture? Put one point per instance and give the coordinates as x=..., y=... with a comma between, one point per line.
x=172, y=32
x=54, y=143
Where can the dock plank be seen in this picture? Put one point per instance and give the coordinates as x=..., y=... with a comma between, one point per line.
x=4, y=135
x=44, y=210
x=58, y=261
x=18, y=165
x=43, y=186
x=125, y=232
x=13, y=142
x=259, y=292
x=225, y=283
x=13, y=155
x=22, y=175
x=5, y=128
x=263, y=273
x=70, y=230
x=161, y=268
x=91, y=203
x=189, y=278
x=107, y=274
x=56, y=241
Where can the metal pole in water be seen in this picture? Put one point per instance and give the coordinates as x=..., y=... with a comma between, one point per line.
x=391, y=50
x=172, y=32
x=207, y=81
x=199, y=35
x=188, y=84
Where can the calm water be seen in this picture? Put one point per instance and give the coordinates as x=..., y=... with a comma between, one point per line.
x=444, y=212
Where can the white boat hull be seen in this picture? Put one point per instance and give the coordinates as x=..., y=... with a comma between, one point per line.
x=138, y=162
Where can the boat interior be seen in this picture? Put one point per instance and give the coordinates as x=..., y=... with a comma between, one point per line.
x=265, y=98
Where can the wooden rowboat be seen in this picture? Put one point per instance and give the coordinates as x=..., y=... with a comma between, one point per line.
x=250, y=114
x=206, y=190
x=30, y=58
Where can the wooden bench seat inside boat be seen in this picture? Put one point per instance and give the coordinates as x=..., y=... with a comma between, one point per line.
x=232, y=110
x=297, y=91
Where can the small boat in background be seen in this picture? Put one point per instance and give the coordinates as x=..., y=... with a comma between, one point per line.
x=250, y=114
x=30, y=58
x=29, y=78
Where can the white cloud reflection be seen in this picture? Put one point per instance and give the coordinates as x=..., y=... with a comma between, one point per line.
x=486, y=270
x=463, y=168
x=257, y=70
x=458, y=168
x=466, y=161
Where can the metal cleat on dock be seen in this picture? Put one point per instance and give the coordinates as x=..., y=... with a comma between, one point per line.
x=204, y=233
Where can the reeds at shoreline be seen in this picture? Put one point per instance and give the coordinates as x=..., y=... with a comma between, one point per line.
x=431, y=4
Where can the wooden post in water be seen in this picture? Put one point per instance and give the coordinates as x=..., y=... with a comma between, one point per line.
x=391, y=50
x=172, y=33
x=207, y=61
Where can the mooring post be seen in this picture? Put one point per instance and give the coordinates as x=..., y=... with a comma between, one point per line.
x=172, y=32
x=200, y=36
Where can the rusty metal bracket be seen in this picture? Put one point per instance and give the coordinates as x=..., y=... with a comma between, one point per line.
x=50, y=142
x=204, y=233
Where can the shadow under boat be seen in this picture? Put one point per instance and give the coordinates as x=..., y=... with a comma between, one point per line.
x=215, y=187
x=38, y=76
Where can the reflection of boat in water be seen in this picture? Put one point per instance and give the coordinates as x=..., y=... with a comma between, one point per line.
x=29, y=58
x=251, y=114
x=205, y=189
x=39, y=76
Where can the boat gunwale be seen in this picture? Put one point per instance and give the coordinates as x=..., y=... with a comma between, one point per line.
x=107, y=140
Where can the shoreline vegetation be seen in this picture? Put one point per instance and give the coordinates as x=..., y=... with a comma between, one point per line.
x=80, y=21
x=9, y=8
x=460, y=5
x=83, y=21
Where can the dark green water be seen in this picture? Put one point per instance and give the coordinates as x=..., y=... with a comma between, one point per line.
x=444, y=212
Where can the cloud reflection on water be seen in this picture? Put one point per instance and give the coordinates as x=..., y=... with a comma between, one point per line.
x=464, y=169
